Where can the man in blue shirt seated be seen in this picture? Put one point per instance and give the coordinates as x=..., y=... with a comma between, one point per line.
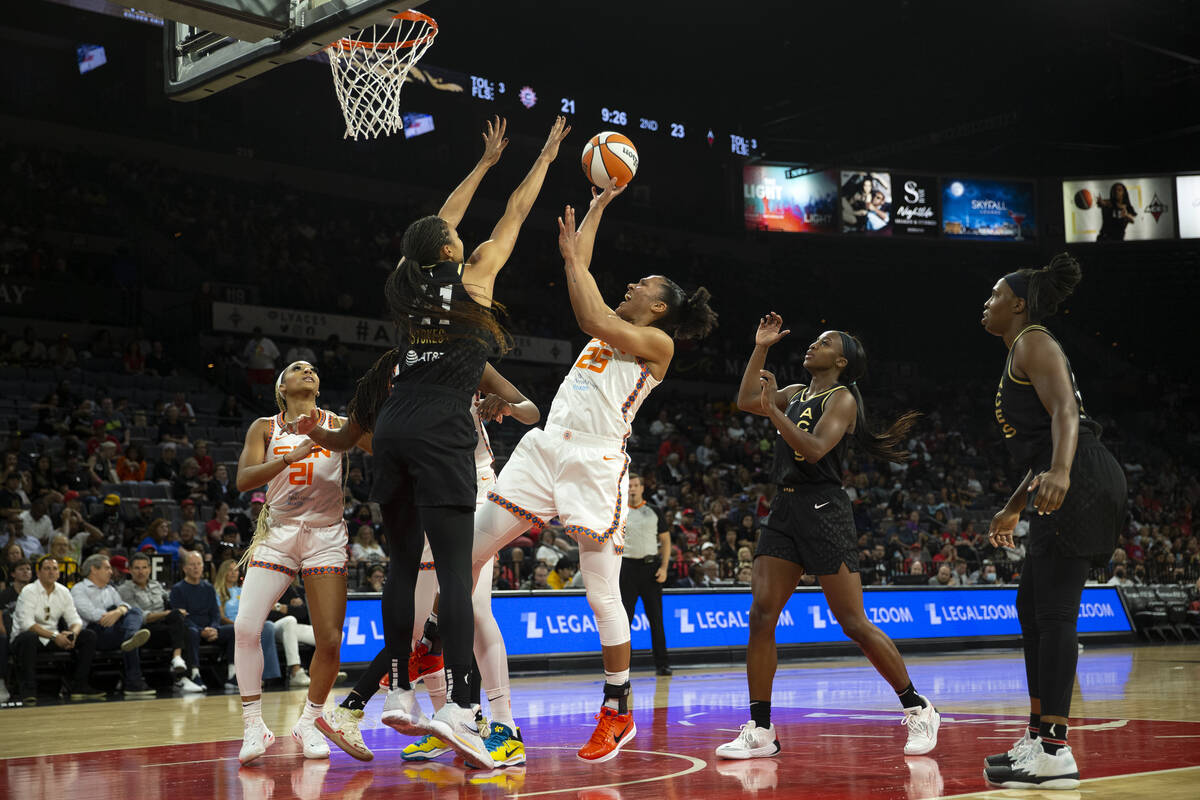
x=196, y=599
x=117, y=624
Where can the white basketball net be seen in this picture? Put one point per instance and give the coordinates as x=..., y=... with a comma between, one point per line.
x=369, y=72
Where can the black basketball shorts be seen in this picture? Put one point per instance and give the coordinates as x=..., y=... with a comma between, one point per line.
x=812, y=526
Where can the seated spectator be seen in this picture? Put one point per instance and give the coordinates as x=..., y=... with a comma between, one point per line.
x=539, y=579
x=374, y=579
x=157, y=362
x=158, y=540
x=221, y=489
x=111, y=524
x=944, y=576
x=1119, y=577
x=37, y=522
x=42, y=480
x=500, y=579
x=117, y=624
x=365, y=548
x=549, y=549
x=30, y=547
x=186, y=412
x=190, y=540
x=230, y=413
x=188, y=485
x=146, y=514
x=745, y=572
x=103, y=463
x=133, y=361
x=166, y=468
x=247, y=522
x=204, y=461
x=68, y=566
x=187, y=511
x=229, y=594
x=359, y=489
x=564, y=571
x=960, y=573
x=132, y=465
x=74, y=476
x=166, y=625
x=29, y=351
x=12, y=496
x=214, y=527
x=197, y=599
x=17, y=576
x=41, y=608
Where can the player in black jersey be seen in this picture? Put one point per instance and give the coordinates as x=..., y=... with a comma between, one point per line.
x=1079, y=494
x=811, y=527
x=416, y=401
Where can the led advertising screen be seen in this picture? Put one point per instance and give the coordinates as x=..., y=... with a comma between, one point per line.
x=804, y=204
x=866, y=202
x=1118, y=209
x=1187, y=195
x=90, y=56
x=988, y=209
x=562, y=622
x=416, y=123
x=916, y=205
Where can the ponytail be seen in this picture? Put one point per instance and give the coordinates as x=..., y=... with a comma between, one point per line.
x=1051, y=285
x=686, y=317
x=888, y=444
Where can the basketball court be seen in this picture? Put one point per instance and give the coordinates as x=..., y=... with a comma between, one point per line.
x=1135, y=732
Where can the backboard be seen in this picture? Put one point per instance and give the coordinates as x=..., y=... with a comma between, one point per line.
x=211, y=45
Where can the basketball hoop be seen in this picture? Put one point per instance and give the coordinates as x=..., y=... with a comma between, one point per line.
x=368, y=73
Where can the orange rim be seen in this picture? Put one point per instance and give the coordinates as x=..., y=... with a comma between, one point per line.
x=411, y=16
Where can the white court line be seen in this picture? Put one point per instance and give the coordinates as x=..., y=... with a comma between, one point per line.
x=983, y=793
x=697, y=714
x=697, y=765
x=685, y=722
x=1180, y=736
x=234, y=758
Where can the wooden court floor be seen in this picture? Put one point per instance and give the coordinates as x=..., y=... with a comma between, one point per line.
x=1136, y=716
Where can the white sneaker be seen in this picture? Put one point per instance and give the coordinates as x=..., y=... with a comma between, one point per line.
x=751, y=742
x=340, y=725
x=1038, y=770
x=188, y=686
x=257, y=739
x=922, y=723
x=311, y=739
x=457, y=727
x=299, y=678
x=196, y=679
x=402, y=712
x=178, y=667
x=1025, y=746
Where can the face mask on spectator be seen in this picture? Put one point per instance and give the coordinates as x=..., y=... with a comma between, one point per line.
x=990, y=577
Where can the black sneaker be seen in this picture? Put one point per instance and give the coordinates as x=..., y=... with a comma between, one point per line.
x=87, y=692
x=1039, y=770
x=139, y=688
x=1025, y=747
x=663, y=671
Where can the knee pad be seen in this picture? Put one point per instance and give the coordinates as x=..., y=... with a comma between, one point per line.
x=605, y=599
x=246, y=633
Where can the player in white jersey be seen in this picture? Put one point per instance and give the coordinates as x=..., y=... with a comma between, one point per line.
x=577, y=468
x=300, y=529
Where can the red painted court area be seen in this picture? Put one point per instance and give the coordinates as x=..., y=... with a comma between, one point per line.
x=827, y=753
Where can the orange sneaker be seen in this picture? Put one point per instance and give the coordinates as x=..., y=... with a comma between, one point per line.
x=422, y=663
x=612, y=732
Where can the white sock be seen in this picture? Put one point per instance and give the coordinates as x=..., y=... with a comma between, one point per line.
x=252, y=711
x=435, y=684
x=310, y=713
x=500, y=707
x=230, y=672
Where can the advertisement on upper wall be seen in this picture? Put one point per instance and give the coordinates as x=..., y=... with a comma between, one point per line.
x=988, y=209
x=1118, y=209
x=1187, y=195
x=866, y=203
x=775, y=202
x=916, y=207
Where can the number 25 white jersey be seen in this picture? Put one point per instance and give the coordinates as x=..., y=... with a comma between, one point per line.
x=602, y=392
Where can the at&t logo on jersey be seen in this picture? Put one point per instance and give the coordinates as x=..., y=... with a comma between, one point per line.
x=412, y=358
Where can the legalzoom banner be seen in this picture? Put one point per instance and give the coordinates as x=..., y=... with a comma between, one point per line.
x=563, y=623
x=318, y=326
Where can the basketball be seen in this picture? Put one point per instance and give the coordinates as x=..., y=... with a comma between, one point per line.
x=609, y=155
x=1083, y=199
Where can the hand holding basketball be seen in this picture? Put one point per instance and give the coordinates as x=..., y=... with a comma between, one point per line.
x=602, y=199
x=609, y=156
x=494, y=141
x=558, y=132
